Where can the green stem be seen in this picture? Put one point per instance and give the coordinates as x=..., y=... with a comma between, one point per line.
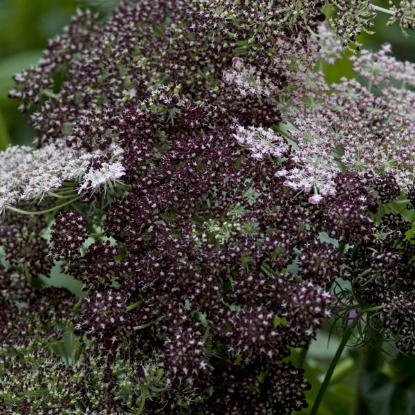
x=111, y=191
x=382, y=9
x=41, y=212
x=135, y=305
x=333, y=364
x=143, y=326
x=4, y=134
x=59, y=196
x=122, y=186
x=26, y=271
x=144, y=394
x=370, y=309
x=312, y=33
x=362, y=274
x=97, y=236
x=50, y=94
x=402, y=202
x=69, y=183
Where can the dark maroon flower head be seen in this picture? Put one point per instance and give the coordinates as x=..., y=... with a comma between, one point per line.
x=67, y=235
x=206, y=268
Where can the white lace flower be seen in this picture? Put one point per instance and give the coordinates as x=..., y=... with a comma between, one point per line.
x=31, y=174
x=262, y=142
x=94, y=178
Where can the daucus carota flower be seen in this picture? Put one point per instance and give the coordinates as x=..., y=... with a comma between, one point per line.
x=30, y=174
x=205, y=266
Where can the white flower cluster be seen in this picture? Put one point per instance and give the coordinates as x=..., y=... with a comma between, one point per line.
x=262, y=142
x=105, y=175
x=317, y=168
x=30, y=174
x=315, y=177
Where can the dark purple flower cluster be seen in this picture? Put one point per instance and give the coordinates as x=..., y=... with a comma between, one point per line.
x=209, y=269
x=383, y=278
x=24, y=247
x=264, y=393
x=67, y=235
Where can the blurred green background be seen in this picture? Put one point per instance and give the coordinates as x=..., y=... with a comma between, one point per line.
x=26, y=26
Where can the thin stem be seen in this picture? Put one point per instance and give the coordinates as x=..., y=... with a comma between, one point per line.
x=111, y=187
x=362, y=274
x=65, y=188
x=41, y=212
x=122, y=186
x=69, y=183
x=135, y=305
x=370, y=309
x=143, y=326
x=144, y=394
x=382, y=9
x=337, y=5
x=50, y=94
x=59, y=196
x=313, y=33
x=4, y=136
x=333, y=364
x=26, y=271
x=402, y=202
x=97, y=236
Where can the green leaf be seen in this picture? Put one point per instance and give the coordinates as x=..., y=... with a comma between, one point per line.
x=69, y=349
x=278, y=321
x=57, y=279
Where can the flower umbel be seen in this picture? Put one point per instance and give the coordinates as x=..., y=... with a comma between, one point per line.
x=203, y=189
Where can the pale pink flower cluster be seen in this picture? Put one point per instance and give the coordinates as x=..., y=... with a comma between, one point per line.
x=93, y=179
x=331, y=46
x=348, y=127
x=31, y=174
x=249, y=80
x=316, y=167
x=262, y=142
x=380, y=68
